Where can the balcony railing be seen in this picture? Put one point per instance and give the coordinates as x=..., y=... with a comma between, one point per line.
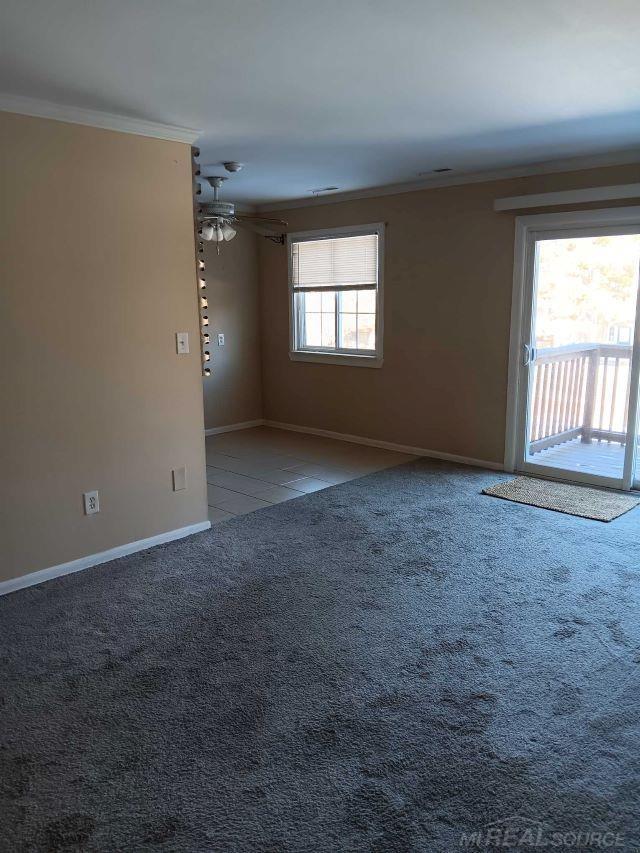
x=580, y=391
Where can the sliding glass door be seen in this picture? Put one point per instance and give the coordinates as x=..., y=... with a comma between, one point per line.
x=579, y=352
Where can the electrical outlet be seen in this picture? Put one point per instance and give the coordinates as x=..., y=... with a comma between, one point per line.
x=182, y=343
x=179, y=479
x=220, y=339
x=91, y=503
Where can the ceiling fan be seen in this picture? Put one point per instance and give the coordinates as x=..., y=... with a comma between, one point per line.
x=217, y=219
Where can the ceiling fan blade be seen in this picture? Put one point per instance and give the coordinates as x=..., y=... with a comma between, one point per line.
x=257, y=227
x=257, y=218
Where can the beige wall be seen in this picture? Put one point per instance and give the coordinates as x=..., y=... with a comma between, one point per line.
x=233, y=392
x=448, y=277
x=98, y=275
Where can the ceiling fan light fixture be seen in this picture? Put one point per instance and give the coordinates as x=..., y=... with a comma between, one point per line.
x=228, y=232
x=218, y=217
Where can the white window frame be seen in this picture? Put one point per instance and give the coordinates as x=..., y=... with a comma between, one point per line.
x=357, y=358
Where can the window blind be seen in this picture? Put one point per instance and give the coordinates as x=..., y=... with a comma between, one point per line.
x=338, y=262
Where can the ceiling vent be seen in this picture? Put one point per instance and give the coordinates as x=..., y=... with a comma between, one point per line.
x=321, y=190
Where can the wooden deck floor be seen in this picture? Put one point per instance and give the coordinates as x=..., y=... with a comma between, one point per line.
x=606, y=459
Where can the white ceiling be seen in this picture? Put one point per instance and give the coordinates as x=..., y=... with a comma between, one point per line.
x=347, y=93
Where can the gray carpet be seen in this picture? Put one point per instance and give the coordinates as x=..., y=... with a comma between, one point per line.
x=380, y=666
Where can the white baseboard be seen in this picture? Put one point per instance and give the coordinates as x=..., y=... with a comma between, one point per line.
x=102, y=557
x=234, y=427
x=389, y=445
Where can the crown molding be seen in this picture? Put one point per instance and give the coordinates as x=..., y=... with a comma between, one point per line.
x=572, y=164
x=96, y=118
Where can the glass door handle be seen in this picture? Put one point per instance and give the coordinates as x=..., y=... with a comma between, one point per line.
x=528, y=354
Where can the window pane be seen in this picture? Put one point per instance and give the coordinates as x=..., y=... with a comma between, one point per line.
x=329, y=329
x=366, y=331
x=349, y=301
x=348, y=336
x=318, y=328
x=313, y=330
x=329, y=301
x=312, y=302
x=366, y=301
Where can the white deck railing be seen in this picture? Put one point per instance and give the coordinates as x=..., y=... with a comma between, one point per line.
x=580, y=391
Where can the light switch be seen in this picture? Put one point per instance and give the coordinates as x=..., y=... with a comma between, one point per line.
x=179, y=479
x=182, y=343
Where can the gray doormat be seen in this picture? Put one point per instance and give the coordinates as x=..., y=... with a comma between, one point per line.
x=584, y=501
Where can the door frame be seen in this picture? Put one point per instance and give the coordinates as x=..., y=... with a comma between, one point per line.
x=617, y=220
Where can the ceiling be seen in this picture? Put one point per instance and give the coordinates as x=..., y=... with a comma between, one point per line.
x=346, y=93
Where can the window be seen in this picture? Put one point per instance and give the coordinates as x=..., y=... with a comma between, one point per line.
x=335, y=283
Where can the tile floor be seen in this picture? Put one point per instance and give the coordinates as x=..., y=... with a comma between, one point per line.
x=253, y=468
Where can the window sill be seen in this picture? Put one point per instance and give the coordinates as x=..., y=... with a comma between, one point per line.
x=337, y=358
